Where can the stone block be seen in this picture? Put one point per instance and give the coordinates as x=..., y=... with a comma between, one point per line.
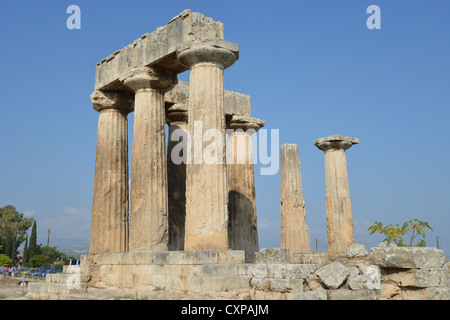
x=308, y=258
x=72, y=269
x=135, y=258
x=234, y=256
x=347, y=294
x=432, y=293
x=157, y=48
x=226, y=283
x=235, y=103
x=316, y=294
x=279, y=285
x=421, y=278
x=333, y=275
x=272, y=255
x=390, y=291
x=225, y=269
x=357, y=250
x=281, y=271
x=407, y=257
x=267, y=295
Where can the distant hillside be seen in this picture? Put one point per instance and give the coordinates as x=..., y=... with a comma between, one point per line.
x=71, y=247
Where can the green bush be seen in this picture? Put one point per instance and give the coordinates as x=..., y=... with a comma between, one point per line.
x=5, y=260
x=40, y=260
x=412, y=229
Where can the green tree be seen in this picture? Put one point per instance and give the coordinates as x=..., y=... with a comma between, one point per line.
x=14, y=225
x=32, y=247
x=25, y=251
x=40, y=260
x=412, y=229
x=5, y=260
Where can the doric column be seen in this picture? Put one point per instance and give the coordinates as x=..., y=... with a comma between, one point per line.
x=242, y=225
x=340, y=234
x=109, y=227
x=176, y=118
x=206, y=184
x=294, y=231
x=148, y=194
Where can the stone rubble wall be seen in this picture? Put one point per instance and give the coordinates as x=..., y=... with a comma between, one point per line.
x=383, y=273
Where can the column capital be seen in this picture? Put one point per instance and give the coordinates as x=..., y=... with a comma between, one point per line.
x=245, y=123
x=123, y=101
x=217, y=51
x=149, y=78
x=336, y=142
x=177, y=113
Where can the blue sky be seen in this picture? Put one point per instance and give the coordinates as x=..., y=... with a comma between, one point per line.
x=312, y=69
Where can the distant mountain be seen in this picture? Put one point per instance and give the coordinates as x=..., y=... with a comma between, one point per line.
x=71, y=247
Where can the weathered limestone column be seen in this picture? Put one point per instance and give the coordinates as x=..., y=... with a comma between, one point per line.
x=109, y=227
x=340, y=234
x=148, y=194
x=242, y=226
x=206, y=183
x=294, y=231
x=177, y=120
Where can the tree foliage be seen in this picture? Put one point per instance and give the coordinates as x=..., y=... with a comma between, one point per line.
x=5, y=260
x=32, y=246
x=13, y=229
x=412, y=229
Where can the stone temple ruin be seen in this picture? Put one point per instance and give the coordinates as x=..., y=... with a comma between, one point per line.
x=191, y=225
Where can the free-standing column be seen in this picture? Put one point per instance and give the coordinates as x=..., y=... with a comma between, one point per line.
x=294, y=231
x=242, y=226
x=176, y=118
x=148, y=194
x=109, y=227
x=206, y=183
x=338, y=206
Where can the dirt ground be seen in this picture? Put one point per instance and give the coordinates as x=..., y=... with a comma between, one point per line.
x=11, y=289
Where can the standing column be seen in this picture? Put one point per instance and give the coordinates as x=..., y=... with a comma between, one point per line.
x=294, y=231
x=340, y=234
x=176, y=118
x=109, y=227
x=206, y=183
x=148, y=194
x=242, y=226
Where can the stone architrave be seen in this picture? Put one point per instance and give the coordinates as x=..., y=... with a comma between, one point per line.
x=206, y=183
x=242, y=226
x=176, y=118
x=294, y=231
x=109, y=226
x=148, y=194
x=340, y=234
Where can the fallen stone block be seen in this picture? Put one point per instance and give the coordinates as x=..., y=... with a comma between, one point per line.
x=407, y=257
x=333, y=275
x=357, y=250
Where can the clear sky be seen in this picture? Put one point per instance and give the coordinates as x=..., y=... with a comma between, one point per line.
x=312, y=69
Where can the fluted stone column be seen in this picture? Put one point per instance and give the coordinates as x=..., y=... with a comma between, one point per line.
x=242, y=225
x=294, y=231
x=109, y=226
x=148, y=194
x=340, y=234
x=176, y=118
x=206, y=184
